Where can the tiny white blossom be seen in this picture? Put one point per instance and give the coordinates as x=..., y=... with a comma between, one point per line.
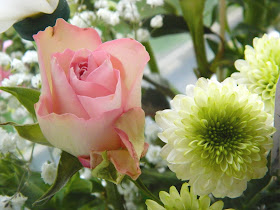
x=19, y=113
x=12, y=203
x=119, y=36
x=18, y=65
x=16, y=79
x=4, y=59
x=85, y=173
x=16, y=54
x=143, y=35
x=36, y=81
x=155, y=3
x=101, y=4
x=157, y=21
x=83, y=19
x=56, y=153
x=128, y=10
x=151, y=130
x=27, y=44
x=109, y=17
x=7, y=142
x=153, y=154
x=48, y=173
x=30, y=56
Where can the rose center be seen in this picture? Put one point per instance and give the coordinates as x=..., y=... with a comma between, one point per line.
x=81, y=69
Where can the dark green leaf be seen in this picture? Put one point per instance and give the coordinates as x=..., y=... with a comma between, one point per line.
x=67, y=167
x=32, y=25
x=78, y=185
x=26, y=96
x=172, y=24
x=31, y=132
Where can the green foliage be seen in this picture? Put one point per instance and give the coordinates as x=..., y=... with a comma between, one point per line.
x=31, y=132
x=67, y=167
x=26, y=96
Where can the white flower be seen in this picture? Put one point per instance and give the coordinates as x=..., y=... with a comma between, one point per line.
x=30, y=56
x=19, y=113
x=12, y=11
x=155, y=3
x=260, y=69
x=36, y=81
x=157, y=21
x=83, y=19
x=48, y=173
x=101, y=4
x=27, y=44
x=12, y=203
x=217, y=136
x=18, y=65
x=7, y=142
x=16, y=79
x=153, y=154
x=128, y=10
x=142, y=35
x=109, y=17
x=4, y=59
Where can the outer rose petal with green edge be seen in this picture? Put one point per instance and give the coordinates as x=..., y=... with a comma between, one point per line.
x=12, y=11
x=186, y=200
x=90, y=105
x=260, y=69
x=217, y=136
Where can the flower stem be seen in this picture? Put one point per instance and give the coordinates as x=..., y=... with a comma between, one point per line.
x=153, y=62
x=138, y=183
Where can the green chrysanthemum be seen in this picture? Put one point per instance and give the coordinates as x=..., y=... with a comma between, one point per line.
x=186, y=200
x=218, y=137
x=260, y=69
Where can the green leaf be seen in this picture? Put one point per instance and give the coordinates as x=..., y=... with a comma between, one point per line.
x=78, y=185
x=31, y=132
x=172, y=24
x=26, y=96
x=113, y=196
x=67, y=167
x=32, y=25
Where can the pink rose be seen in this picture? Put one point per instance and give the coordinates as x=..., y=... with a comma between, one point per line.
x=91, y=96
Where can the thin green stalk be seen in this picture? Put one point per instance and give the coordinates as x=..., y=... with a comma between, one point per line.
x=193, y=15
x=153, y=62
x=113, y=196
x=138, y=183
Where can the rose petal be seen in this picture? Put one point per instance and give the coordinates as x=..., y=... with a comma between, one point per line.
x=97, y=106
x=124, y=163
x=130, y=128
x=57, y=39
x=130, y=58
x=89, y=89
x=104, y=75
x=78, y=136
x=63, y=97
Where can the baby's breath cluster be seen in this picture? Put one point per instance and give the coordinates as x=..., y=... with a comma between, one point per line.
x=260, y=69
x=217, y=137
x=186, y=200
